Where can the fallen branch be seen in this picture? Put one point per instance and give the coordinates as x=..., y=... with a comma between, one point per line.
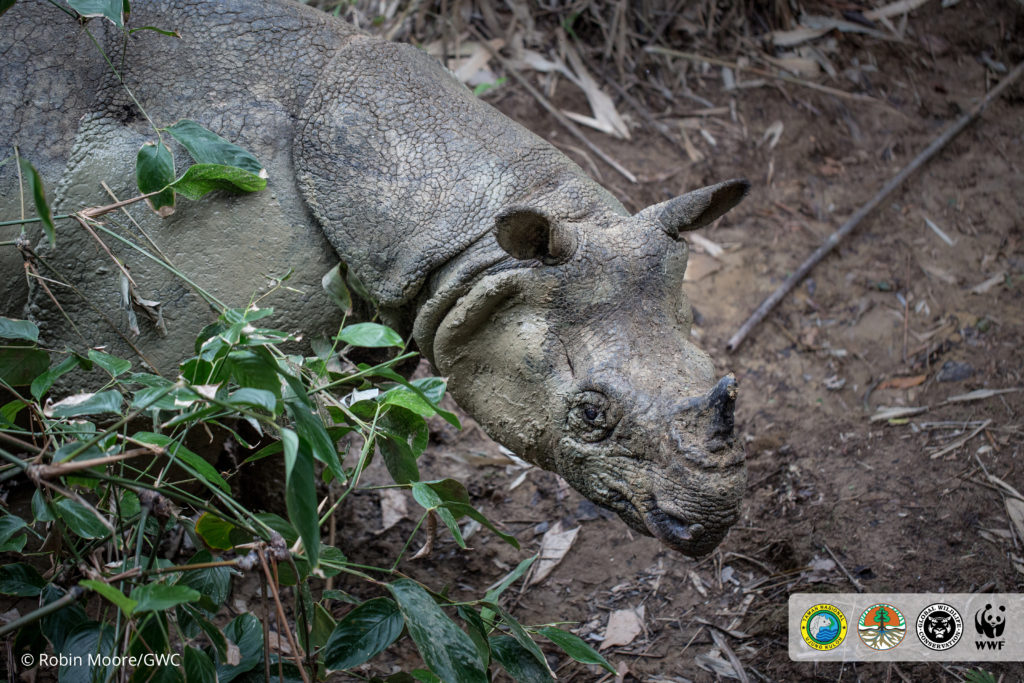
x=854, y=220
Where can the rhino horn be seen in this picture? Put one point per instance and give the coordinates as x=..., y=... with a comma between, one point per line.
x=526, y=233
x=722, y=406
x=696, y=209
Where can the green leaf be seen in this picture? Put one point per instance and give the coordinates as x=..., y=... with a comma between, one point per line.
x=424, y=676
x=156, y=597
x=111, y=9
x=575, y=647
x=214, y=583
x=334, y=285
x=332, y=560
x=88, y=638
x=35, y=183
x=253, y=369
x=42, y=383
x=10, y=525
x=201, y=179
x=112, y=364
x=215, y=532
x=58, y=626
x=446, y=649
x=363, y=634
x=20, y=579
x=432, y=391
x=154, y=172
x=495, y=592
x=313, y=434
x=14, y=545
x=256, y=398
x=206, y=147
x=398, y=458
x=9, y=411
x=199, y=668
x=279, y=524
x=451, y=496
x=163, y=32
x=189, y=461
x=400, y=396
x=477, y=632
x=6, y=5
x=112, y=594
x=246, y=632
x=481, y=88
x=86, y=404
x=212, y=632
x=11, y=328
x=80, y=519
x=323, y=626
x=41, y=511
x=518, y=661
x=20, y=365
x=523, y=638
x=300, y=493
x=370, y=335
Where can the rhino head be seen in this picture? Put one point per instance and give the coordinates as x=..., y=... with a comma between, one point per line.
x=575, y=351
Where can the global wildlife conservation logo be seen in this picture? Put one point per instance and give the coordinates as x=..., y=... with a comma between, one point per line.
x=823, y=627
x=881, y=627
x=939, y=626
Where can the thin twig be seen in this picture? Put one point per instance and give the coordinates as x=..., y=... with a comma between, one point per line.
x=282, y=621
x=854, y=220
x=562, y=119
x=737, y=665
x=768, y=74
x=856, y=584
x=960, y=442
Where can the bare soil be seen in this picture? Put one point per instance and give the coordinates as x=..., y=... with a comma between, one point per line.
x=894, y=317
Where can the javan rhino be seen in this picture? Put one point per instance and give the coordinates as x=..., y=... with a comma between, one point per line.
x=559, y=318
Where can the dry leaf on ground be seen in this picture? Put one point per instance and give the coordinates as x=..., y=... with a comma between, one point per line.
x=553, y=547
x=623, y=626
x=394, y=507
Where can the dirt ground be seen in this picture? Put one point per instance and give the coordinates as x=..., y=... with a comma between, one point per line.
x=895, y=317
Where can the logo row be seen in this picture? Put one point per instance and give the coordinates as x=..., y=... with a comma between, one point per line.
x=882, y=627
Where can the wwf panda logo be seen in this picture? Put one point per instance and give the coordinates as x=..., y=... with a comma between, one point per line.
x=939, y=626
x=989, y=622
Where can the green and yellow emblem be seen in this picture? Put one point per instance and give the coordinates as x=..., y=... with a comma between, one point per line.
x=823, y=627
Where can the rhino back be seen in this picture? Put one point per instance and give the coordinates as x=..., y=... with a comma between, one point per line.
x=242, y=69
x=406, y=168
x=39, y=110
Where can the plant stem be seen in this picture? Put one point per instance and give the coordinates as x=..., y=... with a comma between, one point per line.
x=71, y=596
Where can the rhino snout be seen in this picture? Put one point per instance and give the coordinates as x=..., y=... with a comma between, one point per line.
x=703, y=429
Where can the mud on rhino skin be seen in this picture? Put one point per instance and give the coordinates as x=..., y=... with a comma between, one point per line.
x=559, y=318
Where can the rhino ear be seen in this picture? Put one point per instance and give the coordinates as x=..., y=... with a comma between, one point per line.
x=696, y=209
x=526, y=233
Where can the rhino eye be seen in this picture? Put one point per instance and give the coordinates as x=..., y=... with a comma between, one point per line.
x=590, y=416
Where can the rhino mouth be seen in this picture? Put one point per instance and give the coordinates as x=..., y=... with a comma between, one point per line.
x=693, y=539
x=689, y=538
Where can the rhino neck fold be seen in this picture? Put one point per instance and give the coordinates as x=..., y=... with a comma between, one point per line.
x=451, y=282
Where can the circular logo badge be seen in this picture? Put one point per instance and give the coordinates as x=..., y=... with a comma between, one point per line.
x=939, y=626
x=823, y=627
x=881, y=627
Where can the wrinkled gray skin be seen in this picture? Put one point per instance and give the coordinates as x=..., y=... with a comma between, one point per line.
x=559, y=318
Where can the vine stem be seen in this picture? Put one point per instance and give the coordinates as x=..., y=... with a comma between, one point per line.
x=71, y=596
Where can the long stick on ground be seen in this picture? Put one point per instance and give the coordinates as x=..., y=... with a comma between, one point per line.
x=863, y=211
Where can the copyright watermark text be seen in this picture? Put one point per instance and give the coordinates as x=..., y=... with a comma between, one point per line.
x=149, y=659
